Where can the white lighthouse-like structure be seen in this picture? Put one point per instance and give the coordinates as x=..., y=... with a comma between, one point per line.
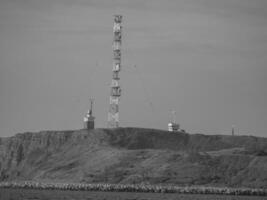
x=115, y=92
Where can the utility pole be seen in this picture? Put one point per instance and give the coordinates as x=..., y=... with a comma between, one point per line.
x=115, y=93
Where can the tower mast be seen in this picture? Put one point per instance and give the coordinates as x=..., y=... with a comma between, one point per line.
x=115, y=93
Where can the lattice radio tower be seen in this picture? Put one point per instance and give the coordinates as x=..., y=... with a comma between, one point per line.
x=113, y=114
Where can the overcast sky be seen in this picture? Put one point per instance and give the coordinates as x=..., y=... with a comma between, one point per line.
x=206, y=59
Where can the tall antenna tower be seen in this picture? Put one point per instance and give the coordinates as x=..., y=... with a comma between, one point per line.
x=115, y=93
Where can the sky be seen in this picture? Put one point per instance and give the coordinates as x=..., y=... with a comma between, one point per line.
x=205, y=59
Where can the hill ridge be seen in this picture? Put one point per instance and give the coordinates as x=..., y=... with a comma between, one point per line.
x=135, y=155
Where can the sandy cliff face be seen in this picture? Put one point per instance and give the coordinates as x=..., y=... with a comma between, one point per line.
x=132, y=155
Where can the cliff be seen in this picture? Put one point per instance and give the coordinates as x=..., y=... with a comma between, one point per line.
x=135, y=155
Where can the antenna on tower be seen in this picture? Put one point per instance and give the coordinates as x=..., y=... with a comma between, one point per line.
x=172, y=125
x=233, y=130
x=91, y=106
x=113, y=114
x=173, y=112
x=89, y=119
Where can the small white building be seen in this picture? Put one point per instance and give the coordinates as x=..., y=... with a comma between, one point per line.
x=173, y=127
